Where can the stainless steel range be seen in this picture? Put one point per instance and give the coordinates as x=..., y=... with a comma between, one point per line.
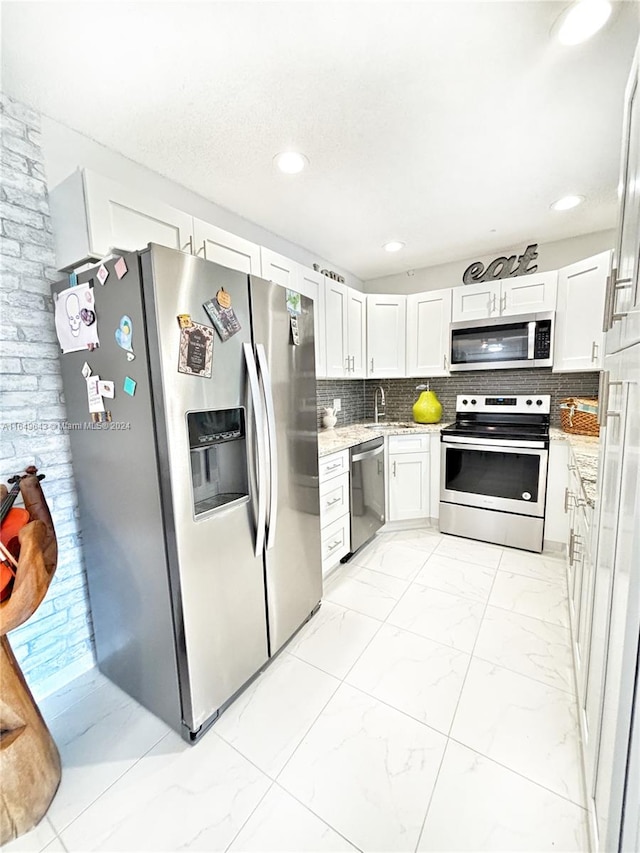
x=494, y=469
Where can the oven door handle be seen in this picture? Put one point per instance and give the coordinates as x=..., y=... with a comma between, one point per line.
x=493, y=444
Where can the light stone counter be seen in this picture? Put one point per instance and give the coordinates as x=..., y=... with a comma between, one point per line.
x=586, y=452
x=333, y=440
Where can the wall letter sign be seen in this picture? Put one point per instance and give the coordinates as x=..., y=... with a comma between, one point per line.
x=502, y=267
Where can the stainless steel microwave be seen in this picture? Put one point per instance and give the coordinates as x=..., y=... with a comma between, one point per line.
x=524, y=340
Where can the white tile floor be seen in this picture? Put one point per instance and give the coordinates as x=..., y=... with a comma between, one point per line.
x=428, y=706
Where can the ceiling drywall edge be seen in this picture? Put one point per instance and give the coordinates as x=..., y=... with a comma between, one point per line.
x=65, y=150
x=551, y=256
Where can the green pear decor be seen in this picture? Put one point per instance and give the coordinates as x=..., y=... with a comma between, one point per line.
x=427, y=409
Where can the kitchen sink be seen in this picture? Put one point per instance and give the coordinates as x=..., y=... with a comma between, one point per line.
x=391, y=426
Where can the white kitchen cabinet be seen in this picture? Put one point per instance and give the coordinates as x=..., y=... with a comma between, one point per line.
x=476, y=301
x=528, y=294
x=386, y=336
x=523, y=294
x=356, y=333
x=278, y=268
x=556, y=520
x=428, y=319
x=335, y=513
x=222, y=247
x=311, y=284
x=345, y=318
x=308, y=282
x=579, y=339
x=622, y=318
x=92, y=215
x=408, y=477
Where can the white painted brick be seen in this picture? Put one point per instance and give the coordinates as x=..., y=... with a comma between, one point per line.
x=31, y=200
x=18, y=182
x=20, y=299
x=38, y=366
x=50, y=383
x=12, y=125
x=30, y=630
x=20, y=145
x=29, y=350
x=15, y=213
x=47, y=333
x=19, y=111
x=10, y=247
x=20, y=415
x=11, y=160
x=8, y=333
x=39, y=284
x=20, y=266
x=26, y=234
x=17, y=382
x=10, y=365
x=36, y=398
x=9, y=280
x=44, y=254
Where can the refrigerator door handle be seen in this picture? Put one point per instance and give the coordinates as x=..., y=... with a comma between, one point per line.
x=258, y=415
x=273, y=444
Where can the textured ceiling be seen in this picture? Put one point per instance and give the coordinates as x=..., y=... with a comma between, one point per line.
x=449, y=125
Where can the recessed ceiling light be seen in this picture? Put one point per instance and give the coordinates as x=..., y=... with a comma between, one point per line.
x=582, y=20
x=393, y=246
x=567, y=202
x=290, y=162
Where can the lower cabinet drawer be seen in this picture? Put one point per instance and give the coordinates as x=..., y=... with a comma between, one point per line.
x=334, y=499
x=336, y=541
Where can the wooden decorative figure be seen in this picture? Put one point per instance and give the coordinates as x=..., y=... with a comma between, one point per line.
x=29, y=759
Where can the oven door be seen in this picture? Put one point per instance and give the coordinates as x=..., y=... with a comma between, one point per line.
x=492, y=476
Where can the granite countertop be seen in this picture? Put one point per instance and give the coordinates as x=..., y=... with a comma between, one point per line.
x=586, y=453
x=585, y=449
x=333, y=440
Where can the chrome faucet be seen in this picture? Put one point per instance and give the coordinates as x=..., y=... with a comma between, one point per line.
x=376, y=413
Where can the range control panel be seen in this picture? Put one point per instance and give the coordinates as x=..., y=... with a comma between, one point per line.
x=516, y=403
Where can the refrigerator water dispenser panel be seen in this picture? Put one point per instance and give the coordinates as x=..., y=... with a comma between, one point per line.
x=217, y=442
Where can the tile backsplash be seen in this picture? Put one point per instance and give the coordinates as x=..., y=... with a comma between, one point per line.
x=357, y=395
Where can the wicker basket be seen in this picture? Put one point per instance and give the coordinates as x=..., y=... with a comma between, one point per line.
x=579, y=416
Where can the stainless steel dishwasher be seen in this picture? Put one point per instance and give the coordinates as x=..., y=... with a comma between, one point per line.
x=367, y=491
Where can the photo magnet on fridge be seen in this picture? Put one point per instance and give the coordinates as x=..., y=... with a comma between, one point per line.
x=196, y=351
x=224, y=319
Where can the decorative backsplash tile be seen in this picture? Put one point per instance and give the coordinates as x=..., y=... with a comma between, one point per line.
x=357, y=395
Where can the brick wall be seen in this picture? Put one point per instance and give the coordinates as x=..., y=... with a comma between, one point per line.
x=55, y=645
x=357, y=395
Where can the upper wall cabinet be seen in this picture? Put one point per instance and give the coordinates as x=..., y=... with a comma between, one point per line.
x=345, y=317
x=215, y=244
x=93, y=215
x=386, y=336
x=312, y=283
x=308, y=282
x=277, y=268
x=622, y=320
x=578, y=335
x=428, y=318
x=524, y=294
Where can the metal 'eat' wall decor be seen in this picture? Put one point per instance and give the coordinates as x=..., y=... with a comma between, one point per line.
x=502, y=267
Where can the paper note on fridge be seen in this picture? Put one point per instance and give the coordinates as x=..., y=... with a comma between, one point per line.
x=75, y=318
x=96, y=403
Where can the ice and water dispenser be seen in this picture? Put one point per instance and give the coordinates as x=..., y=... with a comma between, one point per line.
x=217, y=442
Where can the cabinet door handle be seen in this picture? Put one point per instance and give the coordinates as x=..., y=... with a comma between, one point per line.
x=334, y=545
x=189, y=244
x=494, y=308
x=446, y=363
x=372, y=365
x=394, y=467
x=571, y=547
x=333, y=467
x=204, y=249
x=503, y=303
x=594, y=350
x=567, y=495
x=353, y=364
x=347, y=365
x=332, y=502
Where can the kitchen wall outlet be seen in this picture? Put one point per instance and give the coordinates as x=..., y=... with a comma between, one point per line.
x=337, y=405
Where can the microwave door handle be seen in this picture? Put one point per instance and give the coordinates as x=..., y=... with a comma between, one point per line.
x=531, y=348
x=273, y=445
x=258, y=416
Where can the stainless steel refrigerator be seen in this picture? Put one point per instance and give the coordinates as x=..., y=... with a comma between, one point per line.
x=199, y=505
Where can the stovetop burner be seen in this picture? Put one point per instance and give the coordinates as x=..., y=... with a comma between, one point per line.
x=518, y=417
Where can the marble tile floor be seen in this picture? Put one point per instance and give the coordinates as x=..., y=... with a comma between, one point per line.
x=428, y=706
